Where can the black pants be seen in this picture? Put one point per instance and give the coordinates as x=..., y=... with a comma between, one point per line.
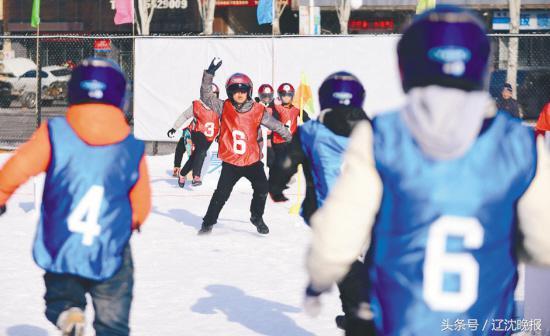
x=180, y=150
x=351, y=288
x=230, y=175
x=269, y=151
x=111, y=298
x=351, y=293
x=359, y=327
x=196, y=160
x=278, y=155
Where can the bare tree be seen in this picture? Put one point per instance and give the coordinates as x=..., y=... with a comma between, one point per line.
x=146, y=9
x=206, y=10
x=279, y=8
x=511, y=76
x=343, y=9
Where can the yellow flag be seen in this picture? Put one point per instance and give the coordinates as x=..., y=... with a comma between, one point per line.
x=424, y=5
x=304, y=97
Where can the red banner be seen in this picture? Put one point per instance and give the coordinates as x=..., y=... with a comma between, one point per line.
x=241, y=3
x=102, y=45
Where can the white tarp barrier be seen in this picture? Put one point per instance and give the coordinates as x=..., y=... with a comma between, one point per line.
x=168, y=70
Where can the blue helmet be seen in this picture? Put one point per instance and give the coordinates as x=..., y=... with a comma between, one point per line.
x=341, y=89
x=97, y=80
x=445, y=46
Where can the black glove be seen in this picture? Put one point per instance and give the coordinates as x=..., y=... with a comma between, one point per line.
x=2, y=209
x=171, y=133
x=214, y=65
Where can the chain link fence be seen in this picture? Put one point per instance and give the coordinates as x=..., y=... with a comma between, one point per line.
x=23, y=106
x=24, y=103
x=533, y=76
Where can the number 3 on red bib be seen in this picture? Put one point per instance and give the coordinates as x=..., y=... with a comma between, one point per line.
x=209, y=129
x=239, y=142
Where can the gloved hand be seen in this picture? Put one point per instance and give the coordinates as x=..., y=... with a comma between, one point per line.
x=2, y=209
x=171, y=133
x=312, y=301
x=214, y=65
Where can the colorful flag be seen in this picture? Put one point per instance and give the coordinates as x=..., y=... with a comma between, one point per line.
x=424, y=5
x=304, y=97
x=124, y=11
x=35, y=17
x=265, y=11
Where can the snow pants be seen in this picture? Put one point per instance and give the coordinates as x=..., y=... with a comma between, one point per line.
x=230, y=175
x=111, y=298
x=196, y=160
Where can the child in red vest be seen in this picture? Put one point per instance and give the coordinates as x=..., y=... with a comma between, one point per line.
x=289, y=115
x=205, y=128
x=239, y=149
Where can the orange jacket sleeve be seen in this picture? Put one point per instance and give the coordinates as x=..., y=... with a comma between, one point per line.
x=30, y=159
x=543, y=123
x=140, y=196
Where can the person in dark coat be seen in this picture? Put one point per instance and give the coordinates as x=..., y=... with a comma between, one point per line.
x=507, y=103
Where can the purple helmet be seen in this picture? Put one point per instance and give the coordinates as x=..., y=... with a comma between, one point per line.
x=341, y=89
x=445, y=46
x=97, y=80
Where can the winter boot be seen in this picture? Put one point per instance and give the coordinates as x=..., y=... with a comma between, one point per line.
x=205, y=229
x=181, y=181
x=72, y=322
x=341, y=322
x=196, y=181
x=258, y=222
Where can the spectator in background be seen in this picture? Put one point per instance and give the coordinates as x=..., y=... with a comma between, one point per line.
x=507, y=103
x=543, y=124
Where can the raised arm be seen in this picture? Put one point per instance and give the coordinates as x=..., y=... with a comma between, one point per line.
x=207, y=95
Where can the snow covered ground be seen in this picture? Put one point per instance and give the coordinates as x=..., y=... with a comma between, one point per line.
x=231, y=283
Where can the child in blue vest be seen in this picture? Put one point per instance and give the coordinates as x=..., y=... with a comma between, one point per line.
x=319, y=146
x=442, y=191
x=95, y=194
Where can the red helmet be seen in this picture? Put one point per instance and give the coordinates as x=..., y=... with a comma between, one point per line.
x=285, y=89
x=265, y=89
x=236, y=82
x=215, y=89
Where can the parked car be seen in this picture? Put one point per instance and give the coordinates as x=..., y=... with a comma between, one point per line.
x=58, y=78
x=57, y=73
x=21, y=73
x=533, y=89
